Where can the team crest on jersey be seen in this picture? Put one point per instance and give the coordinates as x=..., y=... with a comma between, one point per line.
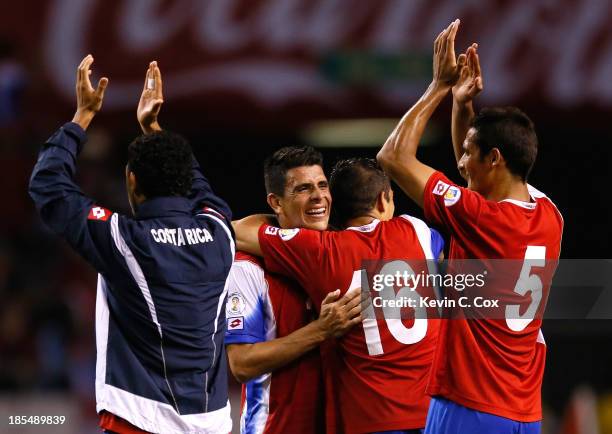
x=287, y=234
x=452, y=195
x=235, y=304
x=99, y=213
x=235, y=323
x=271, y=230
x=440, y=188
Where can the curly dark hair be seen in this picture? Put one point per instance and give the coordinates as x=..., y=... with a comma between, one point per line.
x=512, y=132
x=162, y=164
x=355, y=184
x=281, y=161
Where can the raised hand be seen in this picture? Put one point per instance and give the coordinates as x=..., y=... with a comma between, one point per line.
x=151, y=100
x=445, y=68
x=89, y=100
x=469, y=84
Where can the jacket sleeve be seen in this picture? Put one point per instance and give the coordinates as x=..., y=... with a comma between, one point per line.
x=62, y=205
x=202, y=195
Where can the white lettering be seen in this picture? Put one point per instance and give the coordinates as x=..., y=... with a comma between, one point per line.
x=190, y=236
x=172, y=236
x=181, y=239
x=176, y=236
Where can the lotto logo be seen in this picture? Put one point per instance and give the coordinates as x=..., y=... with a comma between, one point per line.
x=440, y=188
x=99, y=213
x=235, y=323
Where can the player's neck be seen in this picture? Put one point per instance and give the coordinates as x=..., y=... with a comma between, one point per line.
x=361, y=220
x=509, y=188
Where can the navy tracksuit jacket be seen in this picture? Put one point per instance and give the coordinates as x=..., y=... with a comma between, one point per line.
x=160, y=309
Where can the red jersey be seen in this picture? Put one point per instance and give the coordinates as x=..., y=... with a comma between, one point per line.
x=260, y=307
x=111, y=423
x=493, y=365
x=382, y=370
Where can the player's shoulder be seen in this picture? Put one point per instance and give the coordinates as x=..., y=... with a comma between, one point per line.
x=247, y=257
x=543, y=199
x=539, y=202
x=247, y=268
x=440, y=188
x=406, y=221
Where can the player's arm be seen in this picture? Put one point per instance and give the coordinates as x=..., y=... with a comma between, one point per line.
x=338, y=315
x=149, y=106
x=468, y=86
x=59, y=200
x=398, y=154
x=247, y=233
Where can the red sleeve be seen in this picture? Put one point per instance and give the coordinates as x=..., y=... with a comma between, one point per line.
x=450, y=206
x=294, y=253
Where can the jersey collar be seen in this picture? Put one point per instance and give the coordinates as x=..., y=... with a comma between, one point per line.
x=526, y=205
x=365, y=228
x=163, y=206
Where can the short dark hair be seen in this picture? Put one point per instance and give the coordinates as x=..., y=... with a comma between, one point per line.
x=512, y=132
x=355, y=184
x=279, y=163
x=162, y=163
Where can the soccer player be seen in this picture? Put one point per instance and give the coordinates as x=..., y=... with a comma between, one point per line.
x=271, y=333
x=160, y=323
x=380, y=381
x=487, y=373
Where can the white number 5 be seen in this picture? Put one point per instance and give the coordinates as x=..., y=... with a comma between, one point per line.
x=535, y=256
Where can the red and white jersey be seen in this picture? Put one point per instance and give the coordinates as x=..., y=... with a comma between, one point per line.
x=261, y=307
x=494, y=365
x=379, y=378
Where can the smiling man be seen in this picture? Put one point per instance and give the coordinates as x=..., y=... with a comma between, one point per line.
x=377, y=373
x=272, y=336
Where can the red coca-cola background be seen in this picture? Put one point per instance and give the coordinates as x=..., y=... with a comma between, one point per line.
x=265, y=62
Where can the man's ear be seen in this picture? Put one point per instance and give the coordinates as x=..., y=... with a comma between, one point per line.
x=495, y=157
x=132, y=182
x=384, y=200
x=274, y=202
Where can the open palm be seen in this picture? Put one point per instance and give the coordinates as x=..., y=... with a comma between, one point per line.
x=469, y=84
x=151, y=99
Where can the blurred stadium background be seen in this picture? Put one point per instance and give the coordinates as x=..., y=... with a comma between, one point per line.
x=244, y=77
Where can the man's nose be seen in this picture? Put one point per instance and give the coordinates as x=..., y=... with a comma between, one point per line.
x=316, y=195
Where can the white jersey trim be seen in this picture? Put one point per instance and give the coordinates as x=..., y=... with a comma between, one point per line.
x=540, y=338
x=222, y=298
x=102, y=324
x=146, y=414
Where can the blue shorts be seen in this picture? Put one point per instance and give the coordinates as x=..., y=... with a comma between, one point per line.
x=447, y=417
